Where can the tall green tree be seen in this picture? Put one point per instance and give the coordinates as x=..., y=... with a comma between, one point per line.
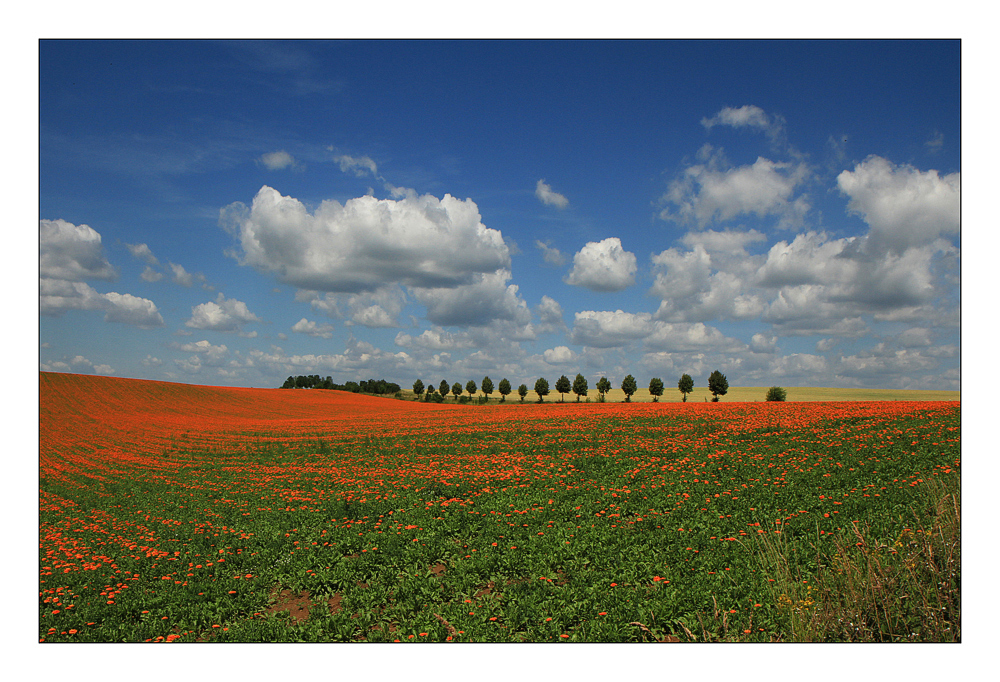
x=487, y=387
x=456, y=389
x=656, y=388
x=470, y=387
x=717, y=384
x=522, y=391
x=629, y=387
x=444, y=388
x=542, y=388
x=685, y=385
x=504, y=389
x=418, y=387
x=579, y=386
x=603, y=386
x=563, y=386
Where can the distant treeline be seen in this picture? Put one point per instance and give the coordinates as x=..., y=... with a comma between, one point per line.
x=374, y=386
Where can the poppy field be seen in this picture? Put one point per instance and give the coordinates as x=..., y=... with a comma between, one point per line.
x=177, y=513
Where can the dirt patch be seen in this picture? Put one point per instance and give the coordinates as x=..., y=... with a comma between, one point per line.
x=437, y=570
x=296, y=603
x=485, y=590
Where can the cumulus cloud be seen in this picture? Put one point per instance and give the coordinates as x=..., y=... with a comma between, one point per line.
x=603, y=266
x=745, y=116
x=71, y=252
x=690, y=337
x=277, y=160
x=310, y=328
x=548, y=197
x=905, y=207
x=487, y=299
x=559, y=355
x=56, y=296
x=709, y=191
x=181, y=276
x=550, y=254
x=691, y=291
x=435, y=339
x=360, y=166
x=150, y=275
x=607, y=329
x=366, y=243
x=142, y=252
x=221, y=315
x=550, y=316
x=77, y=365
x=212, y=353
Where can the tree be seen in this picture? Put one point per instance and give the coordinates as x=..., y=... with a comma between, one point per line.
x=522, y=391
x=776, y=394
x=430, y=390
x=504, y=389
x=656, y=388
x=542, y=389
x=563, y=386
x=717, y=384
x=418, y=387
x=487, y=387
x=685, y=385
x=444, y=388
x=579, y=386
x=628, y=385
x=603, y=386
x=470, y=387
x=289, y=383
x=456, y=389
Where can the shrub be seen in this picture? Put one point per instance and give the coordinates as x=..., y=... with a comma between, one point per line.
x=775, y=394
x=717, y=385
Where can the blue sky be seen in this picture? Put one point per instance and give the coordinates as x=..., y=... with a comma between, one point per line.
x=232, y=213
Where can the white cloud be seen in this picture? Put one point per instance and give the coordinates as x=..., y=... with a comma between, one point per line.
x=181, y=276
x=904, y=207
x=360, y=166
x=550, y=316
x=56, y=296
x=728, y=242
x=603, y=266
x=377, y=309
x=310, y=328
x=435, y=339
x=77, y=365
x=745, y=116
x=277, y=160
x=367, y=243
x=687, y=337
x=548, y=197
x=559, y=355
x=708, y=192
x=550, y=254
x=142, y=252
x=223, y=315
x=71, y=252
x=606, y=329
x=150, y=275
x=213, y=354
x=487, y=299
x=691, y=292
x=761, y=343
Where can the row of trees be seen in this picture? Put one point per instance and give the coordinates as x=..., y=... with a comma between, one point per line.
x=373, y=386
x=717, y=384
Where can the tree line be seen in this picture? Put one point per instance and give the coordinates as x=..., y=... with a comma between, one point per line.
x=717, y=385
x=373, y=386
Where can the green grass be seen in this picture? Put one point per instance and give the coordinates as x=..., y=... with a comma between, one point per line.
x=613, y=529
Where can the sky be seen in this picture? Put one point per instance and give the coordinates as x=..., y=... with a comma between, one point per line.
x=236, y=212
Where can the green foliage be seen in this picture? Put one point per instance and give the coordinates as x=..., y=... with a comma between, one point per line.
x=775, y=394
x=456, y=389
x=717, y=385
x=522, y=391
x=629, y=387
x=541, y=388
x=418, y=387
x=655, y=388
x=488, y=387
x=444, y=388
x=685, y=385
x=603, y=386
x=470, y=387
x=580, y=386
x=504, y=389
x=563, y=386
